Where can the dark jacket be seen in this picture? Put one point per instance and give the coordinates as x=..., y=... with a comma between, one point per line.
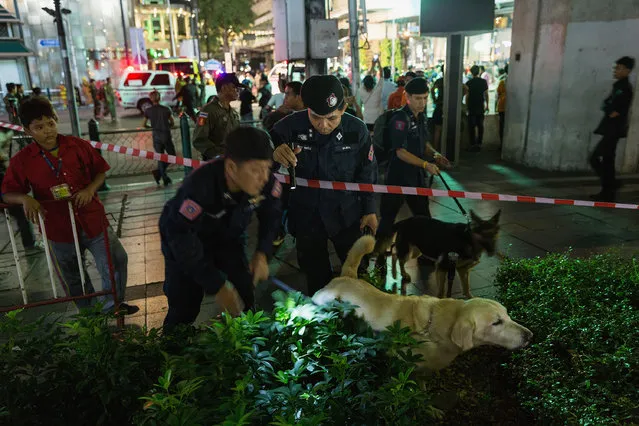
x=619, y=101
x=346, y=155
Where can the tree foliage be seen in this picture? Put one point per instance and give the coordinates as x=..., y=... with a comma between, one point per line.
x=222, y=20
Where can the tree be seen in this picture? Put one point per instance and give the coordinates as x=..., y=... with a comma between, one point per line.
x=386, y=53
x=224, y=19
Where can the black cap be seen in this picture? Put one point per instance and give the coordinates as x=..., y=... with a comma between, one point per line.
x=248, y=143
x=417, y=86
x=323, y=94
x=228, y=78
x=627, y=62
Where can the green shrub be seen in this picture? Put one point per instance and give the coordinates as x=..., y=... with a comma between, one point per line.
x=583, y=365
x=300, y=365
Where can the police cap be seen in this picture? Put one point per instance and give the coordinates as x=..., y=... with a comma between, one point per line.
x=323, y=94
x=248, y=143
x=227, y=78
x=417, y=86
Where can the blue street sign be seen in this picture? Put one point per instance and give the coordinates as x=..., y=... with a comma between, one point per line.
x=49, y=42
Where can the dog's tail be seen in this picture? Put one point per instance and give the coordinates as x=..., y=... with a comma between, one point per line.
x=362, y=247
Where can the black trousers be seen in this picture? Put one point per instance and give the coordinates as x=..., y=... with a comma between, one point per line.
x=161, y=147
x=312, y=252
x=390, y=206
x=602, y=161
x=185, y=295
x=476, y=121
x=502, y=124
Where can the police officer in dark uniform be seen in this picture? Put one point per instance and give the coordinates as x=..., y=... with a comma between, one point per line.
x=407, y=166
x=327, y=145
x=203, y=227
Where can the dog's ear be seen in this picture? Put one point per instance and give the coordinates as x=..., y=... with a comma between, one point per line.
x=495, y=219
x=462, y=334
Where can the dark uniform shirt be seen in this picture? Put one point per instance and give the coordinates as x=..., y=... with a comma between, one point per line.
x=213, y=124
x=204, y=216
x=159, y=116
x=189, y=95
x=408, y=132
x=619, y=101
x=346, y=155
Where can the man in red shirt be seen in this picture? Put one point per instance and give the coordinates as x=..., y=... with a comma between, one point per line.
x=58, y=168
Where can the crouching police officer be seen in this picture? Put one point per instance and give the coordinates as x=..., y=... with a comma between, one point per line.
x=327, y=145
x=203, y=228
x=407, y=167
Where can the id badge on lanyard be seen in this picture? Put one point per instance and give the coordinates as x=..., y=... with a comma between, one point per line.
x=62, y=191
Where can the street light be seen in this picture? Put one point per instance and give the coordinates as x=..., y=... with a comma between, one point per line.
x=56, y=13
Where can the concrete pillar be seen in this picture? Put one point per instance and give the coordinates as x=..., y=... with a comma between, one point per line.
x=560, y=72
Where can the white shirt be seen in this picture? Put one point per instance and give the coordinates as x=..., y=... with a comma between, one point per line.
x=372, y=102
x=389, y=87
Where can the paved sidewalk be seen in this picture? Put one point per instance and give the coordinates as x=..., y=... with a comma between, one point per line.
x=527, y=230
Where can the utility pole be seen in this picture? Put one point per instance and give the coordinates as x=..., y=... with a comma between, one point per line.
x=353, y=24
x=124, y=31
x=315, y=9
x=195, y=12
x=170, y=16
x=66, y=66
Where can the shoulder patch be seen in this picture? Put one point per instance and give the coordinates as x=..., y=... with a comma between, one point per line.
x=400, y=125
x=190, y=210
x=371, y=153
x=276, y=192
x=201, y=118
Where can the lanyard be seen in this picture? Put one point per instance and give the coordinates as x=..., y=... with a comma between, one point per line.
x=53, y=169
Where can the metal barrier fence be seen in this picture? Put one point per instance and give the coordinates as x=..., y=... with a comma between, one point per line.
x=122, y=165
x=32, y=297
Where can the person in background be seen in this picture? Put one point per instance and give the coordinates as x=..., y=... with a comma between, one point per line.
x=189, y=95
x=389, y=87
x=613, y=126
x=437, y=95
x=161, y=119
x=370, y=94
x=396, y=99
x=277, y=99
x=56, y=167
x=483, y=74
x=109, y=99
x=500, y=106
x=20, y=93
x=292, y=103
x=93, y=89
x=26, y=230
x=352, y=106
x=217, y=118
x=11, y=103
x=264, y=96
x=477, y=103
x=246, y=104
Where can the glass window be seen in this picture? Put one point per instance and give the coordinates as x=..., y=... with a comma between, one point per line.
x=137, y=79
x=161, y=80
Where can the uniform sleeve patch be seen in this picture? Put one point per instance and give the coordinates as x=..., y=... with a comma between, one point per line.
x=190, y=210
x=400, y=125
x=371, y=153
x=276, y=192
x=201, y=118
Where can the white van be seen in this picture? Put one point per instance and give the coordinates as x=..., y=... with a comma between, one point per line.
x=136, y=86
x=294, y=71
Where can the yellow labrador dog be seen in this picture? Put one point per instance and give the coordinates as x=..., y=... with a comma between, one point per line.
x=446, y=327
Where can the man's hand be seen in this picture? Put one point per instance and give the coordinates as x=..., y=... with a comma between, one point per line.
x=431, y=168
x=259, y=267
x=614, y=114
x=441, y=160
x=286, y=156
x=369, y=220
x=84, y=197
x=31, y=208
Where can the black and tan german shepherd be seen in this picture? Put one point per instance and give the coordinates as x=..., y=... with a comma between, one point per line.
x=434, y=239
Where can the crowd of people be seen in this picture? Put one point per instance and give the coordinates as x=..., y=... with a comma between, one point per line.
x=316, y=130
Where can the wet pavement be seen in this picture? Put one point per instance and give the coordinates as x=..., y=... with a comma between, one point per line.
x=135, y=203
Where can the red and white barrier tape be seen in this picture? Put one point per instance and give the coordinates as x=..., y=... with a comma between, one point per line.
x=362, y=187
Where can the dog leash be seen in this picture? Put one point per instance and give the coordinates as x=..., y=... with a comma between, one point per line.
x=461, y=208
